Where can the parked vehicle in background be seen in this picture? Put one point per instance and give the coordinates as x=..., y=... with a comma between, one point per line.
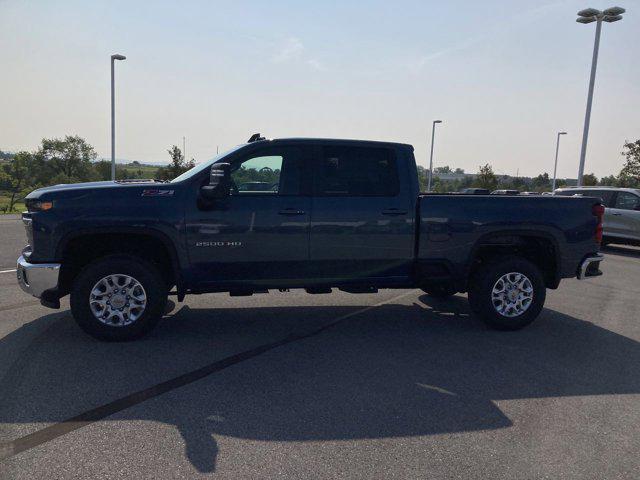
x=531, y=193
x=622, y=211
x=505, y=192
x=344, y=214
x=475, y=191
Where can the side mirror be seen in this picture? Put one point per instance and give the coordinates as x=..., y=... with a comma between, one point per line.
x=219, y=182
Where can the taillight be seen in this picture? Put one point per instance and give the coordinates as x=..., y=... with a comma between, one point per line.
x=598, y=212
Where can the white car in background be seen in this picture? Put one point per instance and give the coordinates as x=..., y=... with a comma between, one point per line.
x=622, y=211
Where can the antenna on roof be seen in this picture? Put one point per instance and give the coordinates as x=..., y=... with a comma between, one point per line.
x=255, y=138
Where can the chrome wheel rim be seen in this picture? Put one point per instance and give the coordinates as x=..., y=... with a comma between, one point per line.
x=512, y=294
x=117, y=300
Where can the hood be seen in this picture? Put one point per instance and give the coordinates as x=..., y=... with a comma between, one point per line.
x=86, y=187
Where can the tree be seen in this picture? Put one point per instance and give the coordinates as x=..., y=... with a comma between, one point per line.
x=486, y=178
x=67, y=161
x=445, y=169
x=541, y=183
x=14, y=177
x=589, y=180
x=177, y=166
x=459, y=171
x=630, y=173
x=609, y=181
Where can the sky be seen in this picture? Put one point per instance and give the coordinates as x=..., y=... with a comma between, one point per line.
x=503, y=76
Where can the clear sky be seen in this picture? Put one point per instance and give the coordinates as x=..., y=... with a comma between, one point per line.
x=504, y=76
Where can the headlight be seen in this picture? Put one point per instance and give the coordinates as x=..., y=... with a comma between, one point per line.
x=38, y=206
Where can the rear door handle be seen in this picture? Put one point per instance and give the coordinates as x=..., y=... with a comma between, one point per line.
x=394, y=211
x=291, y=211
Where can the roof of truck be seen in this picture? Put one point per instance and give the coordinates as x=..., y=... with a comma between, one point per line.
x=334, y=141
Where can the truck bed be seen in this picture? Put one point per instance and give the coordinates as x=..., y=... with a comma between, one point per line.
x=452, y=227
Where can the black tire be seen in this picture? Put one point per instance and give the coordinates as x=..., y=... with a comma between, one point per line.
x=486, y=277
x=144, y=272
x=440, y=291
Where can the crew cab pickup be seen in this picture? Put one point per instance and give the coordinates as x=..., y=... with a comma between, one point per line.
x=319, y=214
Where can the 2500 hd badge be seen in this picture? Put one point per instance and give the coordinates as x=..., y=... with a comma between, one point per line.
x=218, y=244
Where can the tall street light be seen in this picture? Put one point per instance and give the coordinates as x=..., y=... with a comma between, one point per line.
x=590, y=15
x=555, y=165
x=113, y=115
x=433, y=133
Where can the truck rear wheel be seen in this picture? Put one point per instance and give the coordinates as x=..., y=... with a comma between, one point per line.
x=118, y=298
x=507, y=294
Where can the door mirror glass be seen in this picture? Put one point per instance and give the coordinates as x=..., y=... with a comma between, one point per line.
x=219, y=182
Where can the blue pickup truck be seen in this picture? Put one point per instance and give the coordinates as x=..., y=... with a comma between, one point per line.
x=320, y=214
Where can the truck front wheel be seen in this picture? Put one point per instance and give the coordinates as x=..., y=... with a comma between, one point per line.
x=118, y=298
x=508, y=293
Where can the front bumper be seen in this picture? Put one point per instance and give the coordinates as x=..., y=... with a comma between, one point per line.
x=36, y=278
x=590, y=266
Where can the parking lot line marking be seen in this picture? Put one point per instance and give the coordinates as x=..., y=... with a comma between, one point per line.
x=7, y=271
x=27, y=442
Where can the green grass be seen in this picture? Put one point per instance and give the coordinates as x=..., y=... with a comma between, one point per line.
x=148, y=171
x=4, y=203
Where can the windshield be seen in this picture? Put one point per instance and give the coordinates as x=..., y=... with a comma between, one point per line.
x=204, y=165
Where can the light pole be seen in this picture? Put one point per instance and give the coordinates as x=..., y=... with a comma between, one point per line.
x=555, y=165
x=590, y=15
x=433, y=133
x=113, y=114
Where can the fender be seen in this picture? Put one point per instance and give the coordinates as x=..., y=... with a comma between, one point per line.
x=176, y=264
x=541, y=234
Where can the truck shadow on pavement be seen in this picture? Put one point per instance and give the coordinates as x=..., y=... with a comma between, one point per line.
x=392, y=371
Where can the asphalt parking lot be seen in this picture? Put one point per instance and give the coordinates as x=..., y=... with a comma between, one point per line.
x=290, y=385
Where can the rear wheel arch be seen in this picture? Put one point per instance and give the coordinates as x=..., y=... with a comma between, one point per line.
x=540, y=248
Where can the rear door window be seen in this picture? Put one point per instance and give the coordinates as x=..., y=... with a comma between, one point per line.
x=605, y=195
x=627, y=201
x=356, y=172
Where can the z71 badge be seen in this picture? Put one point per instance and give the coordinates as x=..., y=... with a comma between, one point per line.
x=218, y=244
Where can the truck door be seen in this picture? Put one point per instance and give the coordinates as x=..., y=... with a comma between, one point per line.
x=261, y=231
x=625, y=216
x=362, y=218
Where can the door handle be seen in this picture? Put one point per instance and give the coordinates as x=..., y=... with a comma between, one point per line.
x=291, y=211
x=394, y=211
x=616, y=214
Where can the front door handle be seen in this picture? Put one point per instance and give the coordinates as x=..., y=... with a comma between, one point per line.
x=394, y=211
x=616, y=214
x=291, y=211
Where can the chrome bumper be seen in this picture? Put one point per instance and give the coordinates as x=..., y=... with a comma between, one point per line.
x=584, y=266
x=35, y=278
